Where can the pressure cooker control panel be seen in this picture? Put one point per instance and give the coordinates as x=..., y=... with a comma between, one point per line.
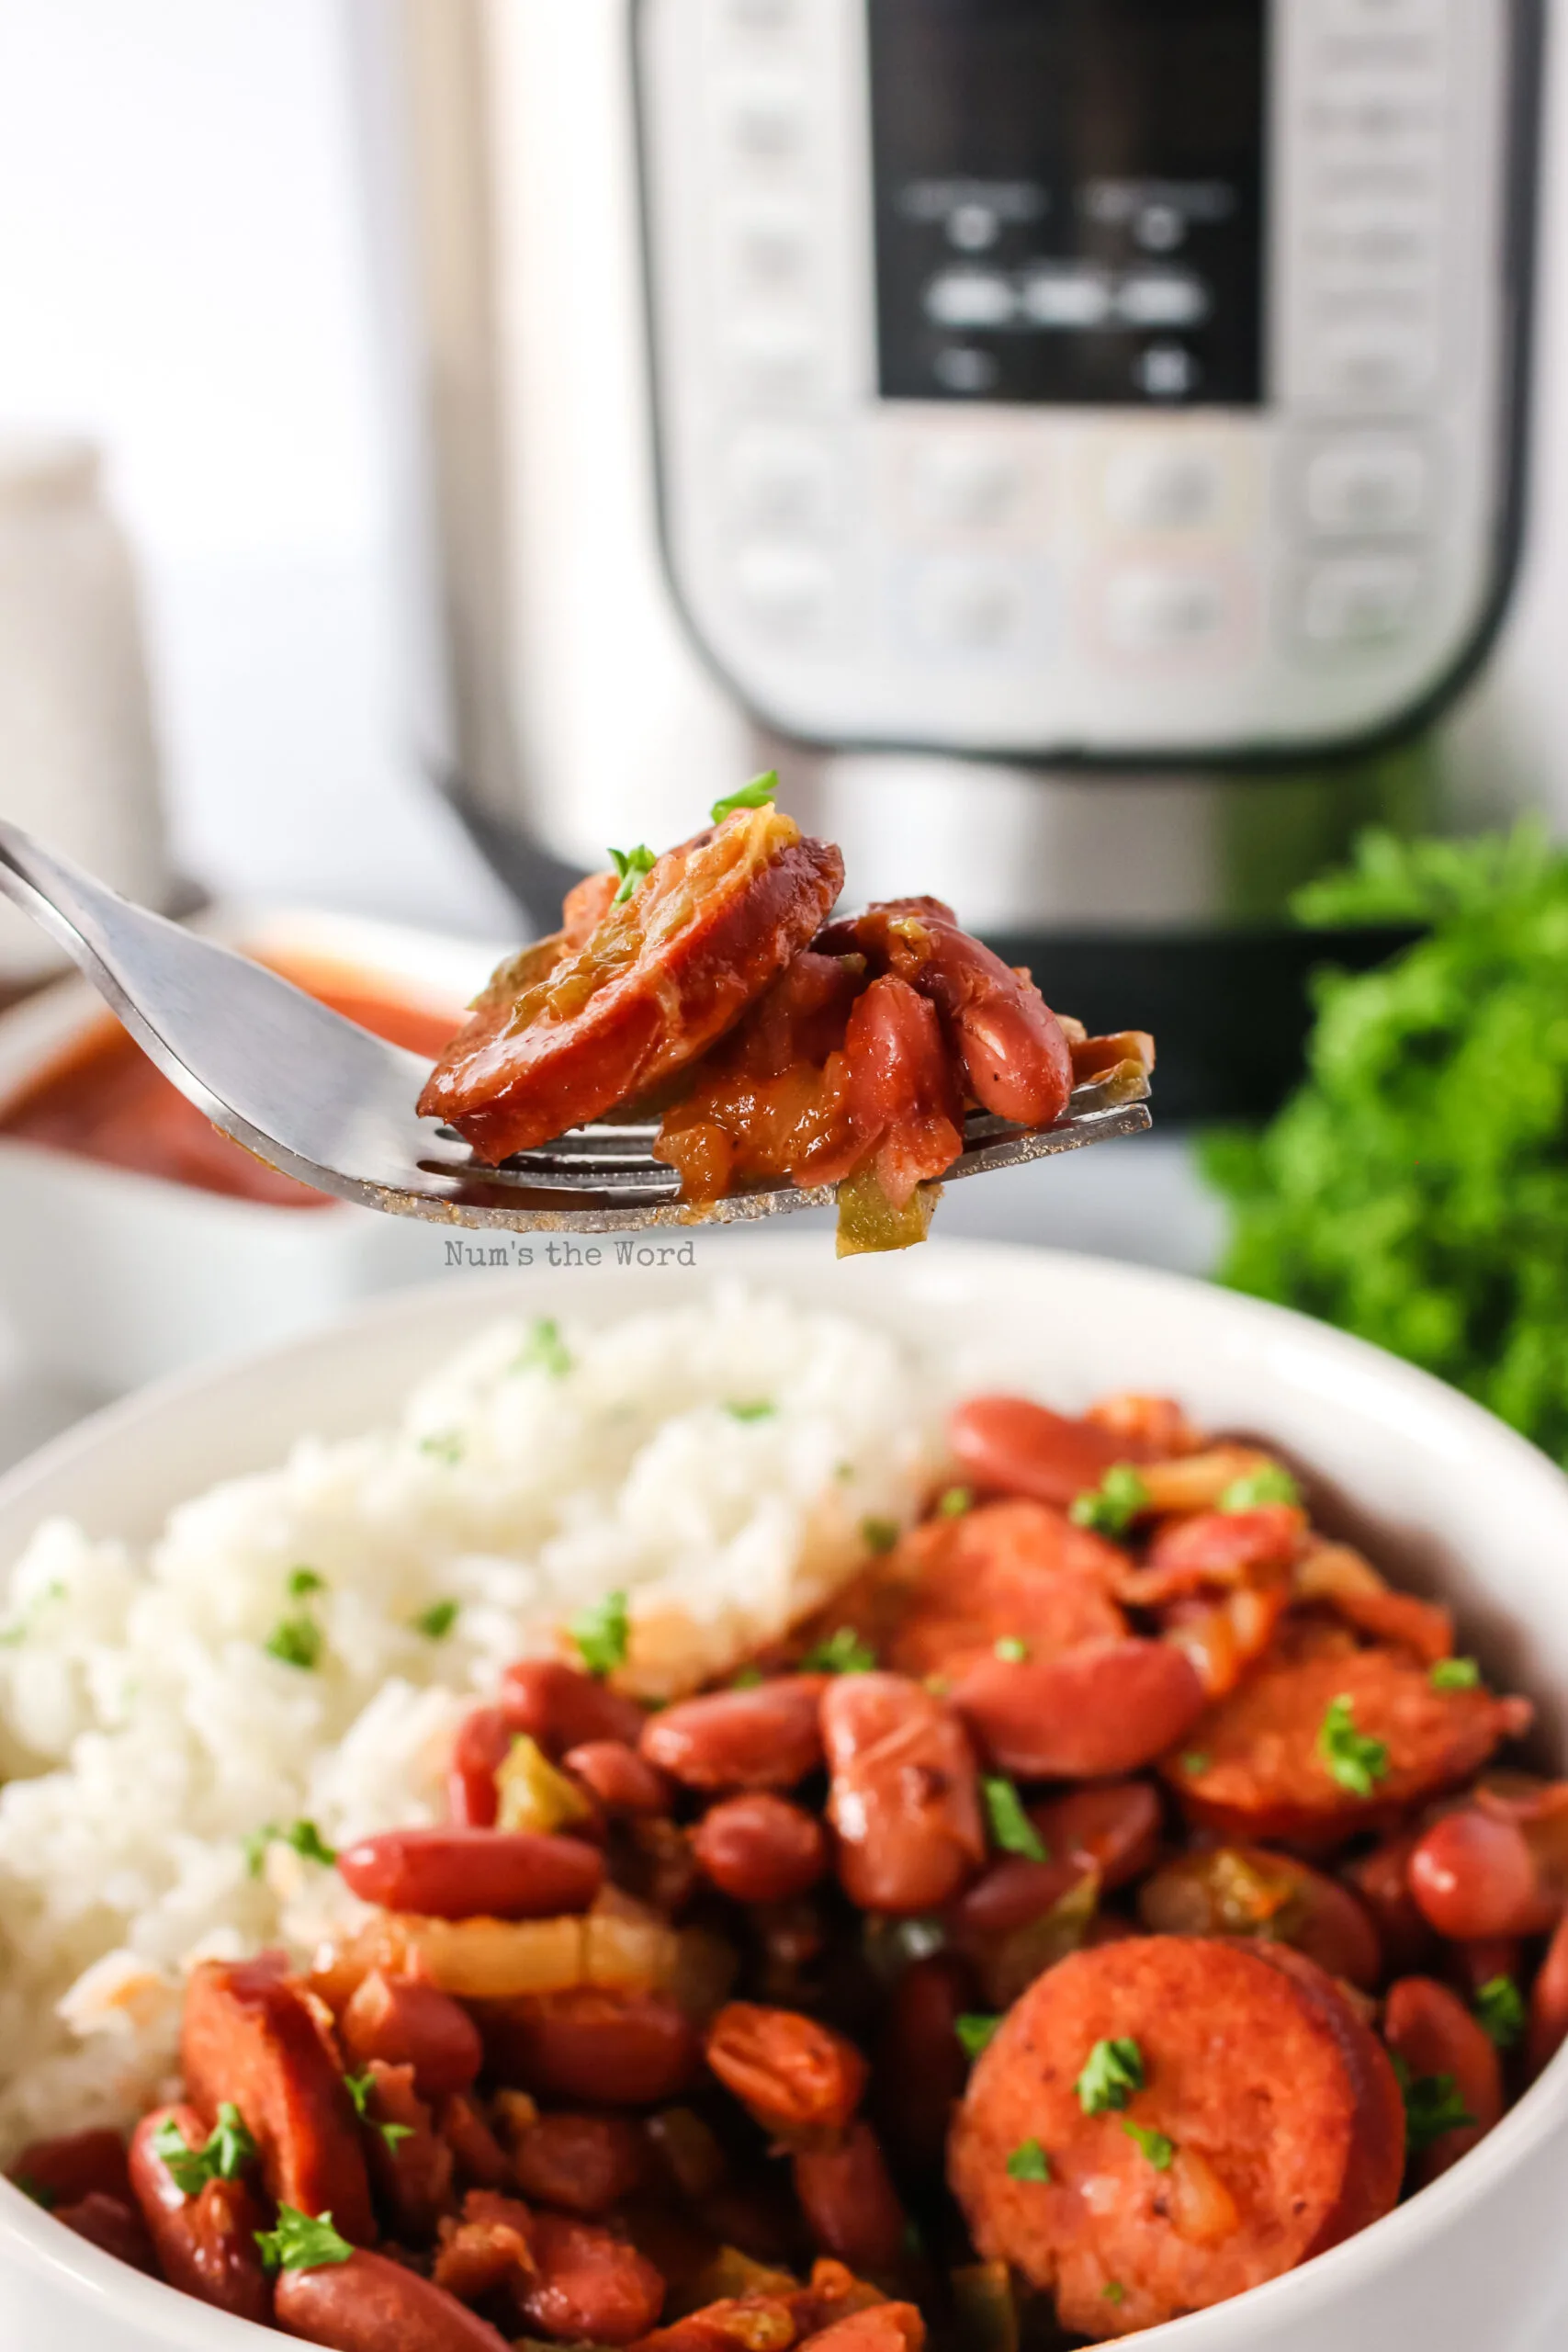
x=1116, y=379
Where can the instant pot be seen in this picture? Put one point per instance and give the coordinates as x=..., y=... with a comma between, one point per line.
x=1078, y=442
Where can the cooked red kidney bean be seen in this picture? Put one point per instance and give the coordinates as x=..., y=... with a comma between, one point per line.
x=482, y=1745
x=111, y=2223
x=561, y=1707
x=75, y=2166
x=1381, y=1881
x=481, y=2161
x=1434, y=2033
x=206, y=2245
x=790, y=2072
x=766, y=1738
x=920, y=2067
x=1100, y=1710
x=1549, y=2004
x=1473, y=1875
x=1012, y=1893
x=850, y=2203
x=588, y=2285
x=370, y=2304
x=584, y=2164
x=904, y=1797
x=761, y=1848
x=623, y=1780
x=605, y=2049
x=1114, y=1829
x=412, y=2173
x=459, y=1873
x=1470, y=1966
x=407, y=2022
x=1010, y=1445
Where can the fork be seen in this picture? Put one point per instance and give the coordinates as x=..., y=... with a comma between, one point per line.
x=319, y=1099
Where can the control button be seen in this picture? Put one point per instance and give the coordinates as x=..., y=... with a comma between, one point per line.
x=1067, y=298
x=766, y=120
x=964, y=369
x=1373, y=488
x=1167, y=371
x=1161, y=609
x=775, y=357
x=780, y=479
x=1357, y=599
x=786, y=588
x=968, y=299
x=965, y=485
x=969, y=605
x=1162, y=298
x=1165, y=488
x=1368, y=365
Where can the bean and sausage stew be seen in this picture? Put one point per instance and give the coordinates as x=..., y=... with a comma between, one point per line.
x=1112, y=1901
x=707, y=986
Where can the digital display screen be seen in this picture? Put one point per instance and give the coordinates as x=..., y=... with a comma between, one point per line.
x=1070, y=199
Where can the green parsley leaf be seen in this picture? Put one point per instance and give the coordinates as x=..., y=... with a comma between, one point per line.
x=1029, y=2162
x=361, y=2090
x=1114, y=2291
x=760, y=793
x=253, y=1848
x=880, y=1534
x=40, y=2193
x=299, y=2243
x=1195, y=1761
x=544, y=1351
x=977, y=2033
x=956, y=1502
x=1500, y=2007
x=1432, y=2106
x=746, y=1678
x=1112, y=2073
x=633, y=866
x=436, y=1622
x=223, y=2154
x=603, y=1633
x=842, y=1653
x=295, y=1640
x=307, y=1841
x=1353, y=1758
x=1455, y=1674
x=1273, y=1484
x=759, y=1412
x=304, y=1581
x=446, y=1445
x=1111, y=1508
x=1010, y=1825
x=1011, y=1650
x=1159, y=2151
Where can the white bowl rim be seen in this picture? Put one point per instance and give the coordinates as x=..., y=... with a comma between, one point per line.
x=181, y=2321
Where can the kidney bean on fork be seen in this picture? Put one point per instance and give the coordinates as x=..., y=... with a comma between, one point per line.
x=461, y=1873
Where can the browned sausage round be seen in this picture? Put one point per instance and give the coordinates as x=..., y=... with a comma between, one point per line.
x=1010, y=1445
x=760, y=1848
x=1249, y=1891
x=1013, y=1572
x=1099, y=1710
x=1254, y=1766
x=1289, y=2141
x=206, y=2245
x=604, y=2048
x=370, y=2304
x=561, y=1707
x=851, y=2205
x=461, y=1874
x=623, y=1780
x=588, y=2285
x=904, y=1796
x=78, y=2165
x=1430, y=2028
x=766, y=1738
x=584, y=2164
x=250, y=2035
x=407, y=2022
x=666, y=973
x=790, y=2072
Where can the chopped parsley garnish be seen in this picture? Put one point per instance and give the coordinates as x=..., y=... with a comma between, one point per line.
x=1111, y=1508
x=1273, y=1484
x=436, y=1622
x=39, y=2191
x=1112, y=2075
x=1432, y=2106
x=1010, y=1825
x=977, y=2033
x=544, y=1351
x=1159, y=2151
x=303, y=1836
x=1455, y=1674
x=1352, y=1758
x=299, y=2243
x=302, y=1582
x=1195, y=1761
x=956, y=1502
x=1500, y=2006
x=446, y=1445
x=1114, y=2291
x=760, y=1412
x=603, y=1633
x=1029, y=2162
x=1011, y=1650
x=633, y=866
x=760, y=793
x=223, y=2154
x=295, y=1640
x=879, y=1534
x=361, y=2089
x=746, y=1677
x=842, y=1653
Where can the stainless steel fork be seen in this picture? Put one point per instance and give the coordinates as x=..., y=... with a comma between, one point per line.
x=321, y=1100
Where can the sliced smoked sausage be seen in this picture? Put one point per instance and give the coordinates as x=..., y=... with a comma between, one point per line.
x=1272, y=2129
x=1014, y=1572
x=664, y=973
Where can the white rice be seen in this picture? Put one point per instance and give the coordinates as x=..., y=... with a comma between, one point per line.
x=145, y=1732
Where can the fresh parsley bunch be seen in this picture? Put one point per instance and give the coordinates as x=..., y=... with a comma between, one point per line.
x=1414, y=1190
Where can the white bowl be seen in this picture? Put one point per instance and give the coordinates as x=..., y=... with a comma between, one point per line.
x=1473, y=2261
